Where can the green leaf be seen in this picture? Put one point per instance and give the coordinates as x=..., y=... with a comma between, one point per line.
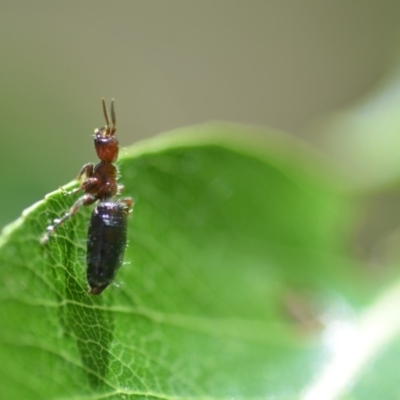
x=363, y=138
x=235, y=271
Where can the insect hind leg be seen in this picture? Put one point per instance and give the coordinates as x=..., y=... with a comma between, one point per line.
x=85, y=200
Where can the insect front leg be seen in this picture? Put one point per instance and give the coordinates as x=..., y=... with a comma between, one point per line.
x=86, y=170
x=85, y=200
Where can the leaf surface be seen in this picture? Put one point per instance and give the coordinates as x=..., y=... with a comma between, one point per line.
x=235, y=271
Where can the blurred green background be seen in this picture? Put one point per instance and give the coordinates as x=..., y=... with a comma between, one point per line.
x=177, y=63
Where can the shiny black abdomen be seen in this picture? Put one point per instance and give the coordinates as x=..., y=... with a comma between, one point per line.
x=105, y=244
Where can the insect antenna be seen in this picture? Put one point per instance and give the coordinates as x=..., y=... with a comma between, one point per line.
x=113, y=118
x=106, y=117
x=109, y=130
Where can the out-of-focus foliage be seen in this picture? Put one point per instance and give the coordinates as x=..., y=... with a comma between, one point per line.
x=364, y=140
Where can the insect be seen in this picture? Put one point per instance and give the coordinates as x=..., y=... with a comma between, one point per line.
x=106, y=240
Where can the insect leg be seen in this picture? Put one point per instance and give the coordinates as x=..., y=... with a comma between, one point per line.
x=85, y=200
x=128, y=202
x=86, y=170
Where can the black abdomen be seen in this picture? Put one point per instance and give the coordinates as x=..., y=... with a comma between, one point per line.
x=105, y=244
